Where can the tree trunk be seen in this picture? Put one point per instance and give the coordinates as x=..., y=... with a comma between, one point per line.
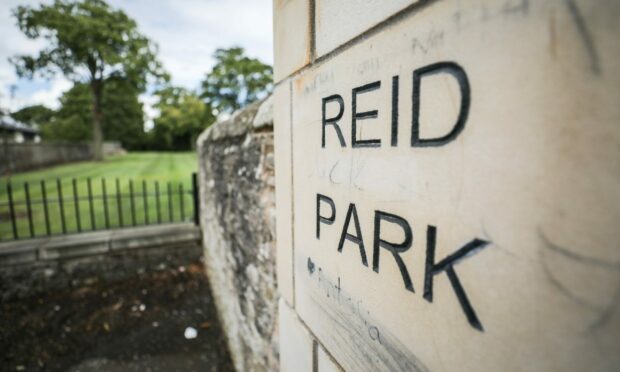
x=97, y=90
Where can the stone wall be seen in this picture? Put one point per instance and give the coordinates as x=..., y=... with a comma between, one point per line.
x=58, y=262
x=17, y=157
x=236, y=170
x=111, y=148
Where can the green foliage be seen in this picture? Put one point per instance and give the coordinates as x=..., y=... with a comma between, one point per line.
x=87, y=39
x=122, y=120
x=111, y=63
x=88, y=42
x=236, y=80
x=72, y=121
x=34, y=115
x=123, y=117
x=183, y=116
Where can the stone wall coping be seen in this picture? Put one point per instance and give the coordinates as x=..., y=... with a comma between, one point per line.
x=96, y=242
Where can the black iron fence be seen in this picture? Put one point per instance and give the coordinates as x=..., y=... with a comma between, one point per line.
x=63, y=206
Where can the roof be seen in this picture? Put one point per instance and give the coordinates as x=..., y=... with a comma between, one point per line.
x=7, y=122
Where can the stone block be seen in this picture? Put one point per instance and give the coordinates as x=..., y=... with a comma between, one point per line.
x=296, y=343
x=325, y=362
x=264, y=115
x=469, y=222
x=340, y=21
x=16, y=253
x=75, y=245
x=154, y=236
x=284, y=182
x=291, y=30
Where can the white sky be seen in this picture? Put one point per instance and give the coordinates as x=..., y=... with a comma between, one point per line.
x=187, y=32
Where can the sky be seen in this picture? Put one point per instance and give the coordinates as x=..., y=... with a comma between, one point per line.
x=186, y=31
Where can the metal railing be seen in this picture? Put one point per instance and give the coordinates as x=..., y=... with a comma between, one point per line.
x=44, y=208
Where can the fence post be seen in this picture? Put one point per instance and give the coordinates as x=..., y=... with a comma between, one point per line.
x=9, y=189
x=29, y=209
x=76, y=204
x=145, y=202
x=93, y=225
x=119, y=203
x=182, y=201
x=105, y=204
x=61, y=205
x=45, y=208
x=157, y=201
x=170, y=206
x=132, y=203
x=196, y=200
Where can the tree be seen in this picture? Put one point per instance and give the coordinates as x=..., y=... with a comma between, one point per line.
x=34, y=115
x=123, y=114
x=72, y=121
x=89, y=42
x=123, y=118
x=235, y=80
x=183, y=116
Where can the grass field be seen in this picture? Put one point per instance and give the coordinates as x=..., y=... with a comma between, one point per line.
x=171, y=171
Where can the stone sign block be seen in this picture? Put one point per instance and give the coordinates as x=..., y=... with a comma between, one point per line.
x=283, y=178
x=456, y=190
x=291, y=32
x=296, y=344
x=325, y=363
x=339, y=21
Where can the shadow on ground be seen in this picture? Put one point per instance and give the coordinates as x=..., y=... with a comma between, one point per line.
x=139, y=323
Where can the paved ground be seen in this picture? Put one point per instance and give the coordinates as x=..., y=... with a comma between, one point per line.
x=137, y=324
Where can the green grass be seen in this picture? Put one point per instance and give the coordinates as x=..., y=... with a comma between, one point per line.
x=174, y=169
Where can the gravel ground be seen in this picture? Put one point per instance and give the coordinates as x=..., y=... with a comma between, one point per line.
x=141, y=323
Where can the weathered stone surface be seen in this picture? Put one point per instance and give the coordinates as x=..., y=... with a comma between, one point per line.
x=238, y=220
x=284, y=196
x=336, y=22
x=456, y=192
x=297, y=343
x=325, y=362
x=291, y=36
x=264, y=115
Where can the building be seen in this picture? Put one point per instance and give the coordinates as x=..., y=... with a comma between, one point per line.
x=14, y=131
